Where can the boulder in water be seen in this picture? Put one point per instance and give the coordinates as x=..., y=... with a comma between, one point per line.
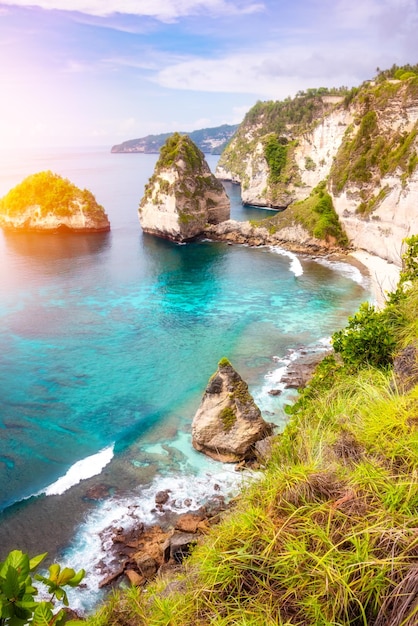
x=228, y=422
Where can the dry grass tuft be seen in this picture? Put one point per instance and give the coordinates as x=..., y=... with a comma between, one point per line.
x=400, y=607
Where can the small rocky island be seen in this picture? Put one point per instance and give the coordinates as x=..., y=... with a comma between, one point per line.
x=182, y=196
x=228, y=423
x=46, y=202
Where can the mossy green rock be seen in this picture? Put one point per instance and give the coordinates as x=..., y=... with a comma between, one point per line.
x=182, y=196
x=228, y=423
x=47, y=202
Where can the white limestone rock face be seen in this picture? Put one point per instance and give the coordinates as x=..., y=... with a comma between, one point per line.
x=394, y=218
x=366, y=147
x=393, y=197
x=182, y=196
x=316, y=149
x=46, y=202
x=228, y=422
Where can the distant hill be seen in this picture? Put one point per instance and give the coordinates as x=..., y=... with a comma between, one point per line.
x=209, y=140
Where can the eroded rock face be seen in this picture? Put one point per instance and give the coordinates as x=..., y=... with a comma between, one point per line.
x=182, y=196
x=228, y=422
x=46, y=202
x=365, y=146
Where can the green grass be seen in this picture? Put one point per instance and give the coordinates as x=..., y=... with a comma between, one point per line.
x=316, y=214
x=228, y=418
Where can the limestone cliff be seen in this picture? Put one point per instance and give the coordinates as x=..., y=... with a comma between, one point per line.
x=362, y=142
x=182, y=196
x=47, y=202
x=228, y=422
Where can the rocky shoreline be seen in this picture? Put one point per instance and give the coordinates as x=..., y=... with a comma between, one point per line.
x=143, y=552
x=294, y=238
x=384, y=274
x=146, y=551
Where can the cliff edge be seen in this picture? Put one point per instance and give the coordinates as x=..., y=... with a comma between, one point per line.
x=361, y=144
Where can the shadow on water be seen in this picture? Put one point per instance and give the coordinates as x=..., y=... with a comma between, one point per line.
x=244, y=212
x=194, y=258
x=56, y=246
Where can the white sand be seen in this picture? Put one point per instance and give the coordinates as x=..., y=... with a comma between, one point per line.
x=384, y=275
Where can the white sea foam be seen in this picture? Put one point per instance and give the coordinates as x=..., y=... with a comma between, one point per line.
x=85, y=468
x=295, y=264
x=91, y=547
x=271, y=405
x=345, y=269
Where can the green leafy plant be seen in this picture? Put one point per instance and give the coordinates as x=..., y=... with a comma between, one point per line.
x=367, y=339
x=18, y=606
x=409, y=271
x=275, y=151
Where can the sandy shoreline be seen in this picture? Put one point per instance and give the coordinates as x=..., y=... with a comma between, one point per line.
x=384, y=275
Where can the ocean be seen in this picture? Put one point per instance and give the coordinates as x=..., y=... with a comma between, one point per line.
x=107, y=342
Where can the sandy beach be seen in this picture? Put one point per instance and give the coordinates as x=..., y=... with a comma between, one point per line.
x=384, y=275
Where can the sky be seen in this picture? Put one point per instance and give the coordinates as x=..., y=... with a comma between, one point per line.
x=99, y=72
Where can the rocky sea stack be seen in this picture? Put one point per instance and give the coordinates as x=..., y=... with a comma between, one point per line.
x=228, y=423
x=182, y=196
x=47, y=202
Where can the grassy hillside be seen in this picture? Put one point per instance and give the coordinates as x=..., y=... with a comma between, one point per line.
x=316, y=214
x=328, y=533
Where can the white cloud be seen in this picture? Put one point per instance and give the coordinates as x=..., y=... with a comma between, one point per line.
x=164, y=10
x=272, y=73
x=238, y=113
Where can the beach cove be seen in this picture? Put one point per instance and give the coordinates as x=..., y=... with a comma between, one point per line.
x=107, y=344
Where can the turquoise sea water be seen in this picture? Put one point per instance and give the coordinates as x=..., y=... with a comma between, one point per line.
x=107, y=343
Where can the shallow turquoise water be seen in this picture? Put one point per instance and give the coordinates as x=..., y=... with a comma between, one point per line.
x=107, y=341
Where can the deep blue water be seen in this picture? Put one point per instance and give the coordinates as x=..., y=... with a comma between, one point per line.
x=107, y=342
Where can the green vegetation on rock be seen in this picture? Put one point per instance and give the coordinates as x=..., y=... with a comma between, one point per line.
x=277, y=124
x=180, y=147
x=316, y=214
x=52, y=194
x=371, y=149
x=327, y=535
x=275, y=151
x=181, y=154
x=228, y=418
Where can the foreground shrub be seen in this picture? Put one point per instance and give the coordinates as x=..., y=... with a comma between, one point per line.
x=18, y=606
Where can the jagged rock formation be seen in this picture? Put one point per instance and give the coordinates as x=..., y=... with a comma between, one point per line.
x=228, y=422
x=363, y=142
x=47, y=202
x=208, y=140
x=182, y=196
